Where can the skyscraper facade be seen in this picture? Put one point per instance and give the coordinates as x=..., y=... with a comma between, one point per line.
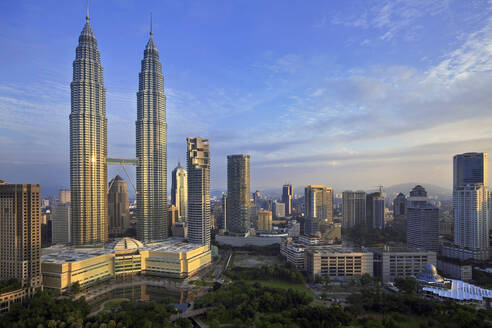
x=374, y=210
x=179, y=191
x=287, y=198
x=422, y=221
x=470, y=168
x=88, y=144
x=118, y=206
x=151, y=133
x=319, y=202
x=238, y=194
x=20, y=233
x=470, y=204
x=64, y=196
x=60, y=224
x=400, y=207
x=265, y=220
x=198, y=165
x=354, y=208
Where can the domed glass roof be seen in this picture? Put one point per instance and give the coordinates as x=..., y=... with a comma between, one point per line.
x=429, y=274
x=126, y=244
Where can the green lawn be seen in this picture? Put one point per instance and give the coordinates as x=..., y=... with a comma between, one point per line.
x=282, y=285
x=113, y=304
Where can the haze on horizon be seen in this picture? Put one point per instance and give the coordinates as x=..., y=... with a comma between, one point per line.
x=351, y=94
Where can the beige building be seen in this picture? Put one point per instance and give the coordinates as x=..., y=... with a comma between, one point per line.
x=62, y=266
x=390, y=263
x=118, y=206
x=338, y=263
x=179, y=191
x=64, y=196
x=60, y=224
x=264, y=220
x=319, y=202
x=20, y=234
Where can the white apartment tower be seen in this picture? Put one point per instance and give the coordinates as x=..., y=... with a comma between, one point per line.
x=198, y=163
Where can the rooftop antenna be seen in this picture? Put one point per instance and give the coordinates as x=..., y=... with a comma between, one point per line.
x=87, y=18
x=150, y=23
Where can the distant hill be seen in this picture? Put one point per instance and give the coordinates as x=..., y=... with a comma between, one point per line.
x=432, y=190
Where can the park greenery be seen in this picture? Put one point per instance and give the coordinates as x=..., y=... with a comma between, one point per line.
x=48, y=310
x=362, y=235
x=9, y=285
x=275, y=272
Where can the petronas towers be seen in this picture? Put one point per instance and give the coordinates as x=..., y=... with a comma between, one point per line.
x=151, y=148
x=88, y=146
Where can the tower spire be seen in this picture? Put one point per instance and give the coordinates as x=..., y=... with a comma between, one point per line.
x=87, y=18
x=151, y=24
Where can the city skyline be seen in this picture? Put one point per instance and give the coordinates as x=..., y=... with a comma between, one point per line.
x=352, y=78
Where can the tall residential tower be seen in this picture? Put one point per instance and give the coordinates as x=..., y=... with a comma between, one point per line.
x=88, y=144
x=198, y=162
x=287, y=198
x=151, y=148
x=238, y=196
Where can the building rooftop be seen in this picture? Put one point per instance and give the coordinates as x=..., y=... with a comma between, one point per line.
x=461, y=291
x=65, y=254
x=398, y=249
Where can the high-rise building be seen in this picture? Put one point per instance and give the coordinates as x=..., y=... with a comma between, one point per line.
x=470, y=169
x=60, y=224
x=238, y=196
x=287, y=198
x=399, y=207
x=223, y=220
x=64, y=196
x=179, y=191
x=470, y=204
x=151, y=132
x=20, y=234
x=278, y=209
x=354, y=208
x=265, y=220
x=422, y=221
x=172, y=218
x=198, y=164
x=319, y=202
x=375, y=210
x=88, y=144
x=118, y=206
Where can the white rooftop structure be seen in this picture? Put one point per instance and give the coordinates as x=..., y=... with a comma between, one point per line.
x=461, y=291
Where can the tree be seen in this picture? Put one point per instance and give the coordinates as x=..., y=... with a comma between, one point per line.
x=365, y=279
x=406, y=285
x=327, y=280
x=75, y=288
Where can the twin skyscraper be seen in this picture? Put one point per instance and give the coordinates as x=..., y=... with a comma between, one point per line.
x=88, y=149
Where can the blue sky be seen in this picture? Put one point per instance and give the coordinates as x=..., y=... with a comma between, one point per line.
x=351, y=94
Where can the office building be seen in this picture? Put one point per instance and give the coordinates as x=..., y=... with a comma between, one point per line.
x=20, y=234
x=319, y=202
x=198, y=162
x=390, y=263
x=400, y=207
x=88, y=144
x=172, y=218
x=151, y=142
x=470, y=169
x=338, y=263
x=118, y=207
x=354, y=208
x=179, y=191
x=311, y=226
x=223, y=220
x=470, y=205
x=60, y=224
x=287, y=199
x=265, y=220
x=64, y=196
x=278, y=209
x=238, y=194
x=422, y=221
x=375, y=210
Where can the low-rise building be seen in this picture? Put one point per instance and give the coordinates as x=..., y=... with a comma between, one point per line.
x=456, y=269
x=390, y=263
x=338, y=263
x=9, y=298
x=63, y=266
